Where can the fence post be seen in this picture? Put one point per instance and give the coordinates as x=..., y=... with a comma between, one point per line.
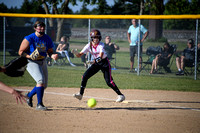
x=196, y=43
x=4, y=40
x=139, y=41
x=46, y=25
x=89, y=55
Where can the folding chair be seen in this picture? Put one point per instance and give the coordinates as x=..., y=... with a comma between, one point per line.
x=148, y=63
x=61, y=59
x=151, y=52
x=189, y=69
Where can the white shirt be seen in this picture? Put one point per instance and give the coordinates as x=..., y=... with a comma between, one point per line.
x=95, y=50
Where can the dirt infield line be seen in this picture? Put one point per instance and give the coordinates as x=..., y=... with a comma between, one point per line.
x=150, y=102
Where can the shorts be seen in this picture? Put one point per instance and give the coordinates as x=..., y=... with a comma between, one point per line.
x=134, y=50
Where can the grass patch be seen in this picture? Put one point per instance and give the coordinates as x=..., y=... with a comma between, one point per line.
x=67, y=76
x=71, y=77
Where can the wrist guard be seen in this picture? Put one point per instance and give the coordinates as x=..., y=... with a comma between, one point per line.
x=23, y=54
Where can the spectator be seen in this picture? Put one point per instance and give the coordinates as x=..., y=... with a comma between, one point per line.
x=110, y=47
x=133, y=38
x=162, y=59
x=63, y=49
x=83, y=59
x=187, y=57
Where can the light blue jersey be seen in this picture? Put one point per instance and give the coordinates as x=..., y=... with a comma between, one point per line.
x=135, y=34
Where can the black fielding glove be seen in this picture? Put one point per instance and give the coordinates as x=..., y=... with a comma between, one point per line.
x=16, y=67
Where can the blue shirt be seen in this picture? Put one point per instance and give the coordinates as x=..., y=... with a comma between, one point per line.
x=41, y=43
x=134, y=31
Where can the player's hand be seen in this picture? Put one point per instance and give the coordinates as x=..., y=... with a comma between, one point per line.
x=18, y=96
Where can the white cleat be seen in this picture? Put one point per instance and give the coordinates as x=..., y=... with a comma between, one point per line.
x=120, y=98
x=41, y=107
x=78, y=96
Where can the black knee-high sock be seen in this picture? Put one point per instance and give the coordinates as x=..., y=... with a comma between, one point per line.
x=82, y=90
x=115, y=88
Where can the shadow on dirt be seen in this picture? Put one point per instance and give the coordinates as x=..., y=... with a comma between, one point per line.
x=121, y=108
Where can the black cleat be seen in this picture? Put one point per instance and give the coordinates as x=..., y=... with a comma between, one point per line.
x=29, y=100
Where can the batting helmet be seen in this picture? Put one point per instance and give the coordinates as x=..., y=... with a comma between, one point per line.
x=95, y=33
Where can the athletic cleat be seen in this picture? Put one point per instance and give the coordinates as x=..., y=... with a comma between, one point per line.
x=29, y=100
x=41, y=107
x=78, y=96
x=120, y=98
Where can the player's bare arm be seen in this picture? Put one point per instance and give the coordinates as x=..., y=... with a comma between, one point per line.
x=23, y=47
x=17, y=94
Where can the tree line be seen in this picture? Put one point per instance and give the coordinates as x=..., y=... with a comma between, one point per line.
x=120, y=7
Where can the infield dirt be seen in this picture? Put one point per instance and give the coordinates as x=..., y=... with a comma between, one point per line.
x=143, y=111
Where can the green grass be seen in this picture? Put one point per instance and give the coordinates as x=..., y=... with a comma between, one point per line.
x=67, y=76
x=71, y=77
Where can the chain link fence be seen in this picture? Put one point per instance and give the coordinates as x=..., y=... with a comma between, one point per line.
x=16, y=28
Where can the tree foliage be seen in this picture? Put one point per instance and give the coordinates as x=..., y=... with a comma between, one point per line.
x=32, y=6
x=120, y=7
x=179, y=7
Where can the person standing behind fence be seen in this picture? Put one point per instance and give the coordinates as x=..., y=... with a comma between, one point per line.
x=35, y=48
x=133, y=38
x=63, y=49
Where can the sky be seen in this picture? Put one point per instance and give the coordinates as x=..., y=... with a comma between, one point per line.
x=18, y=3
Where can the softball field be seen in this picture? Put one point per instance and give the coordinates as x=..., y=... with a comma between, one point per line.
x=143, y=111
